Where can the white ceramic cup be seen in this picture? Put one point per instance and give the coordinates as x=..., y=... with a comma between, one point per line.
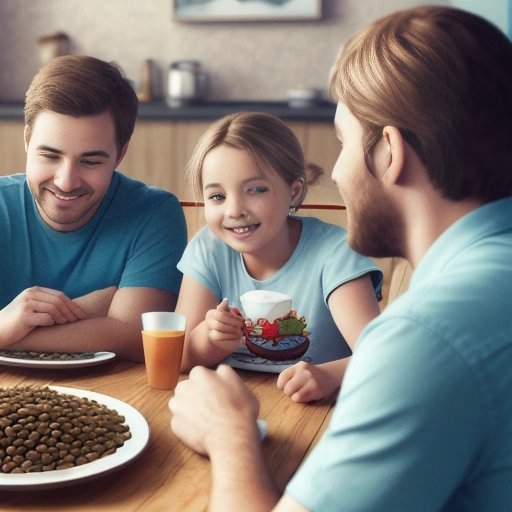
x=265, y=304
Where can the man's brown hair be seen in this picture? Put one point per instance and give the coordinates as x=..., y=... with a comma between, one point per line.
x=443, y=77
x=83, y=86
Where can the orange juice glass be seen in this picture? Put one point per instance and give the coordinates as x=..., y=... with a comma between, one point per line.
x=162, y=355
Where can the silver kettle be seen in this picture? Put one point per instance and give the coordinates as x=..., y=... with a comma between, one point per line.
x=187, y=83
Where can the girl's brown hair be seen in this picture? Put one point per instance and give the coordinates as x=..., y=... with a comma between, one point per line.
x=269, y=141
x=443, y=77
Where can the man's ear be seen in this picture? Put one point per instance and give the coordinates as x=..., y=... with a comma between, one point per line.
x=122, y=154
x=394, y=159
x=26, y=137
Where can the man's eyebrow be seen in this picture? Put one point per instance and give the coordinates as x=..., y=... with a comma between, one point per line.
x=49, y=148
x=97, y=152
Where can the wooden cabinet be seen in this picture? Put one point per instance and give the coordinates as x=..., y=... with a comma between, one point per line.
x=158, y=154
x=321, y=147
x=160, y=150
x=12, y=147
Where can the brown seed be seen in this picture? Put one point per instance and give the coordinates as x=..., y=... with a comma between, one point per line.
x=26, y=465
x=65, y=465
x=9, y=431
x=41, y=448
x=34, y=436
x=18, y=459
x=21, y=450
x=32, y=455
x=8, y=467
x=46, y=458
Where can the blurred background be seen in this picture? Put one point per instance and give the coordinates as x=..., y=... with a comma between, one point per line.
x=244, y=60
x=280, y=67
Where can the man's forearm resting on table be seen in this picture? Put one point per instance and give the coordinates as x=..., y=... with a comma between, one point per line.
x=114, y=323
x=92, y=334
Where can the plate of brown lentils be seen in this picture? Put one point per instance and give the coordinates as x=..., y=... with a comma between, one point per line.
x=56, y=360
x=52, y=436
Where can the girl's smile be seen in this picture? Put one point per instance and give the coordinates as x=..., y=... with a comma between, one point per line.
x=246, y=206
x=240, y=230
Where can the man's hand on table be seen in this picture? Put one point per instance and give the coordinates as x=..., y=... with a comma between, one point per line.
x=36, y=307
x=212, y=408
x=215, y=414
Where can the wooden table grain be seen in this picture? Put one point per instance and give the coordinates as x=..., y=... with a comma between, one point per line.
x=166, y=476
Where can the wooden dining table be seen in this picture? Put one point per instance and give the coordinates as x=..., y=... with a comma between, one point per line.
x=166, y=475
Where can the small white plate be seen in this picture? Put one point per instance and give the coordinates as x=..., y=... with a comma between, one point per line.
x=262, y=428
x=98, y=358
x=139, y=429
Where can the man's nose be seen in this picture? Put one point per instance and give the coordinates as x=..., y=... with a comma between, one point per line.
x=67, y=177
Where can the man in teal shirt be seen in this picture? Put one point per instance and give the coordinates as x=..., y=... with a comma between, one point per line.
x=85, y=249
x=423, y=420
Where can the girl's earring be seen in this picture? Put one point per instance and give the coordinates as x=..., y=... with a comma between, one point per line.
x=292, y=210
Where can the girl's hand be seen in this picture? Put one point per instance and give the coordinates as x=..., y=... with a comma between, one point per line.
x=305, y=382
x=225, y=326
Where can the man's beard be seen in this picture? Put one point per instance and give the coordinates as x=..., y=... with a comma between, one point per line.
x=375, y=227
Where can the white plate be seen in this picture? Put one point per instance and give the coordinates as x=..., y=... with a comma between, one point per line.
x=139, y=429
x=98, y=358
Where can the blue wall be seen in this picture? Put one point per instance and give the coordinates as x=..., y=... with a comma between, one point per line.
x=496, y=11
x=510, y=19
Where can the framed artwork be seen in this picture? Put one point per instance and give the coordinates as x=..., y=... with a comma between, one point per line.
x=246, y=10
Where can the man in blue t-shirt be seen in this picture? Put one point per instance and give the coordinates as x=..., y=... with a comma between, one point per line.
x=423, y=421
x=85, y=249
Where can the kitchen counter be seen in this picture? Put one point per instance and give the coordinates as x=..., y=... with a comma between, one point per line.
x=159, y=110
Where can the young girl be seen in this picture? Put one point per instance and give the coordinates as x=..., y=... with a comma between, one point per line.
x=250, y=170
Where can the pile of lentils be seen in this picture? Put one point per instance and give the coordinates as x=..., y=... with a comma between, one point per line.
x=47, y=356
x=42, y=429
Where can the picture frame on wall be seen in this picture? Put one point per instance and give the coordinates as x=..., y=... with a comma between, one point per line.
x=246, y=10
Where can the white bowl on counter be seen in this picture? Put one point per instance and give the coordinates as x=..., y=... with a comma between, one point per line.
x=301, y=97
